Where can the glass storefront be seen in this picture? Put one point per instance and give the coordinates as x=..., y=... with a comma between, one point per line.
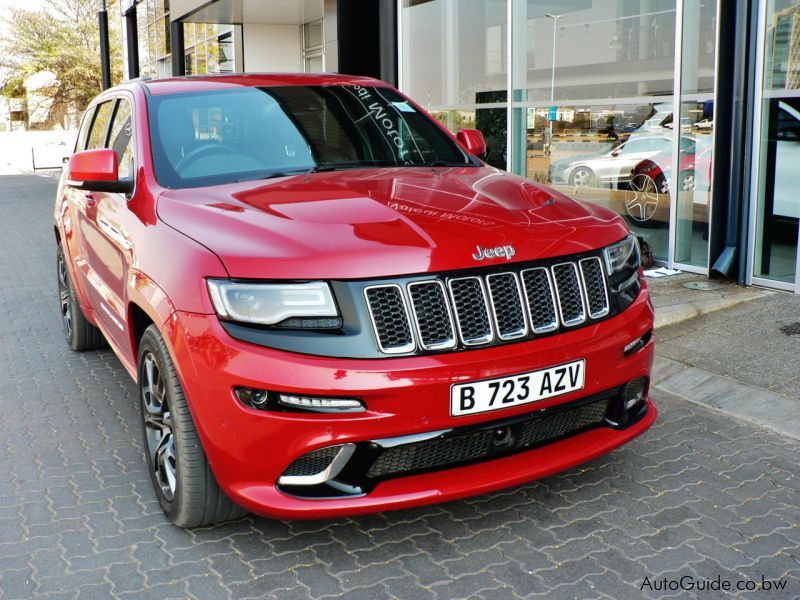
x=584, y=96
x=154, y=42
x=777, y=200
x=208, y=47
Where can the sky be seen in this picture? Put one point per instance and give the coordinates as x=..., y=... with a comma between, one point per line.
x=6, y=5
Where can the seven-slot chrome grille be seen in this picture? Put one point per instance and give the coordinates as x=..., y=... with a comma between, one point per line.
x=442, y=312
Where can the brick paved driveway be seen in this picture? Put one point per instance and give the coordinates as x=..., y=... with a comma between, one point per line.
x=699, y=495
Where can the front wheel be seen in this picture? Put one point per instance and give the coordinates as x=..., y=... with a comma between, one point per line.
x=582, y=177
x=184, y=484
x=687, y=181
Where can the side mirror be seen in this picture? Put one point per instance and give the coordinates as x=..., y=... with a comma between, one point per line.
x=97, y=170
x=472, y=141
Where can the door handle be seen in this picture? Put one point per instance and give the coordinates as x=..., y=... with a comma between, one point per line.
x=91, y=201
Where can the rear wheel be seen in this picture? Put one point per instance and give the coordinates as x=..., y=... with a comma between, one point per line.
x=642, y=199
x=185, y=487
x=80, y=333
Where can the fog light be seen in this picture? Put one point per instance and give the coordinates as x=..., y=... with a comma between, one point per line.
x=253, y=398
x=322, y=404
x=634, y=392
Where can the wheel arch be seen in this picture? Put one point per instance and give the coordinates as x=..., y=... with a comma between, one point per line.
x=148, y=304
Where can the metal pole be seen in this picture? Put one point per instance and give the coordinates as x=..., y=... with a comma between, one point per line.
x=178, y=49
x=132, y=37
x=553, y=70
x=105, y=56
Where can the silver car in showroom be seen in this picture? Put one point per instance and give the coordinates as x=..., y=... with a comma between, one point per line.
x=611, y=168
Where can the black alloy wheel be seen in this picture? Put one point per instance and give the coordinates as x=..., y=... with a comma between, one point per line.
x=182, y=479
x=79, y=332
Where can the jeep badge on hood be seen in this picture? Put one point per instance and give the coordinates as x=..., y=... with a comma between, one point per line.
x=505, y=251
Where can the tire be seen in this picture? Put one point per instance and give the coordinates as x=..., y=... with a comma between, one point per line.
x=81, y=335
x=182, y=479
x=582, y=177
x=662, y=184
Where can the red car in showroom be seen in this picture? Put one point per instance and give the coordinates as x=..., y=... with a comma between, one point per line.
x=332, y=306
x=649, y=184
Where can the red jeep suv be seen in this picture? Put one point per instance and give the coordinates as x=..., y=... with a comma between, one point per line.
x=332, y=306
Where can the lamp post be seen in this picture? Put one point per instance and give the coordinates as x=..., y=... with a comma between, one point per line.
x=553, y=70
x=552, y=76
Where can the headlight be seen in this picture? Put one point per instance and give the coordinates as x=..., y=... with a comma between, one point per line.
x=623, y=256
x=622, y=264
x=271, y=303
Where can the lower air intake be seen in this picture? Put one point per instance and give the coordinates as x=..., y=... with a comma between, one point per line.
x=464, y=447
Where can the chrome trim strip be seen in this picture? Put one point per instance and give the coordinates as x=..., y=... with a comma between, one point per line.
x=332, y=470
x=398, y=349
x=451, y=343
x=577, y=320
x=607, y=308
x=472, y=341
x=552, y=326
x=519, y=332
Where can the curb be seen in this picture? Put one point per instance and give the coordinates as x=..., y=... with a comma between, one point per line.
x=677, y=313
x=727, y=396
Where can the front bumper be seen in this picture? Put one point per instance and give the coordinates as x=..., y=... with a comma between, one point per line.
x=249, y=449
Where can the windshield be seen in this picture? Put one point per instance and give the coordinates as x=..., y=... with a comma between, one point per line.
x=224, y=136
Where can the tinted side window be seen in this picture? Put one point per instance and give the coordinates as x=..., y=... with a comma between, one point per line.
x=635, y=146
x=97, y=137
x=83, y=134
x=121, y=137
x=661, y=143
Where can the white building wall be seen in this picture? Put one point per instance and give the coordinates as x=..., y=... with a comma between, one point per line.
x=271, y=48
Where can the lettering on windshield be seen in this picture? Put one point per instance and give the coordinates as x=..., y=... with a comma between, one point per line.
x=378, y=113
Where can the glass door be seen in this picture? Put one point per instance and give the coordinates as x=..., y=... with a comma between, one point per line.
x=690, y=165
x=776, y=210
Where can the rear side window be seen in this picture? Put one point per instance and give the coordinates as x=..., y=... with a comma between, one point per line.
x=121, y=140
x=102, y=117
x=83, y=134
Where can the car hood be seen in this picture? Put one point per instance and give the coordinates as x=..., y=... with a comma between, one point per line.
x=383, y=222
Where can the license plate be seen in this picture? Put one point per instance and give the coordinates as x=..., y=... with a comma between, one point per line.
x=524, y=388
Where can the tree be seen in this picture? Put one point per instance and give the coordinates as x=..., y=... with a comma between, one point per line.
x=62, y=38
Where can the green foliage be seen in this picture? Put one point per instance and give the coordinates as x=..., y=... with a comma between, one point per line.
x=62, y=38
